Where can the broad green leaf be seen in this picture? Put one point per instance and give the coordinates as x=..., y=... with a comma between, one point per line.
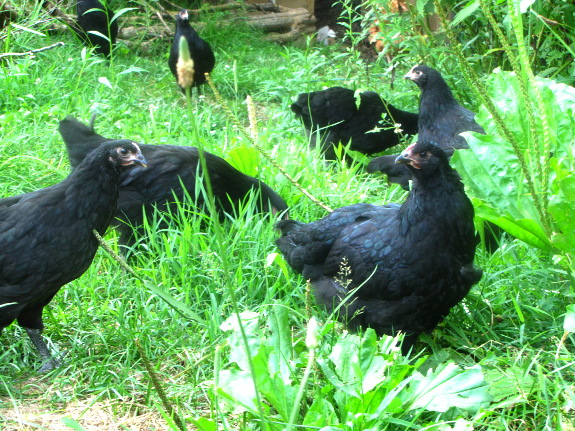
x=357, y=366
x=464, y=13
x=446, y=387
x=280, y=395
x=524, y=229
x=373, y=365
x=492, y=171
x=569, y=322
x=280, y=338
x=250, y=322
x=321, y=413
x=561, y=206
x=356, y=363
x=244, y=159
x=487, y=177
x=237, y=387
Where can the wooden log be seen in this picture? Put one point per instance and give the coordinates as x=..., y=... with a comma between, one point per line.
x=290, y=36
x=296, y=22
x=281, y=22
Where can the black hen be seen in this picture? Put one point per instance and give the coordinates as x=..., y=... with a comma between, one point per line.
x=335, y=115
x=200, y=51
x=172, y=174
x=410, y=263
x=96, y=27
x=441, y=120
x=47, y=240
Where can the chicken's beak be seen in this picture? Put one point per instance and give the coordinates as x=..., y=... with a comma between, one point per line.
x=403, y=158
x=136, y=160
x=410, y=76
x=139, y=159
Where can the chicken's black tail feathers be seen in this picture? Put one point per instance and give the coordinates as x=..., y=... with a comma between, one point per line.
x=288, y=226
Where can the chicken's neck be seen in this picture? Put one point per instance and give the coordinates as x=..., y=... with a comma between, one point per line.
x=93, y=193
x=435, y=100
x=439, y=197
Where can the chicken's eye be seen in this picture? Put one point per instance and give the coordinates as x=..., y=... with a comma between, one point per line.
x=123, y=152
x=423, y=154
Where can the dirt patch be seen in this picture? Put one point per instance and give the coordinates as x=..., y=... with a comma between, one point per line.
x=123, y=414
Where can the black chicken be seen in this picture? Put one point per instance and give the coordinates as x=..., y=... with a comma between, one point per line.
x=410, y=263
x=96, y=27
x=47, y=240
x=171, y=175
x=441, y=120
x=200, y=51
x=334, y=114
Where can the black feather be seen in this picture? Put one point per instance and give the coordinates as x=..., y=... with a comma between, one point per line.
x=200, y=51
x=334, y=112
x=46, y=237
x=441, y=120
x=172, y=174
x=411, y=263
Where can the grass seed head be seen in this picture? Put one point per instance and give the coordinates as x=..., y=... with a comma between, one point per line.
x=185, y=66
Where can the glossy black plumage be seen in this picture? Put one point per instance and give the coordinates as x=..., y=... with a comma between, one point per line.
x=413, y=261
x=46, y=237
x=200, y=51
x=335, y=113
x=441, y=120
x=94, y=17
x=170, y=167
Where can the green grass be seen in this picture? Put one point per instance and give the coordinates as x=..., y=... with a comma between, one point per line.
x=510, y=323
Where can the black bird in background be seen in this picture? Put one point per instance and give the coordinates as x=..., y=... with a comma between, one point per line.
x=172, y=174
x=335, y=115
x=200, y=51
x=94, y=17
x=410, y=263
x=47, y=240
x=441, y=120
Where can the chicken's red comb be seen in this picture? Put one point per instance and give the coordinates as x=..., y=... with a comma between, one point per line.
x=410, y=147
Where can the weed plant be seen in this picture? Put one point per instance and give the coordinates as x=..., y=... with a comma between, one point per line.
x=502, y=347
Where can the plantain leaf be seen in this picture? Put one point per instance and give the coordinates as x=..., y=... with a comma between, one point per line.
x=561, y=208
x=250, y=323
x=244, y=159
x=495, y=176
x=237, y=387
x=524, y=229
x=446, y=387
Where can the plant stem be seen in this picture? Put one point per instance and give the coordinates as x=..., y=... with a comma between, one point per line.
x=219, y=237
